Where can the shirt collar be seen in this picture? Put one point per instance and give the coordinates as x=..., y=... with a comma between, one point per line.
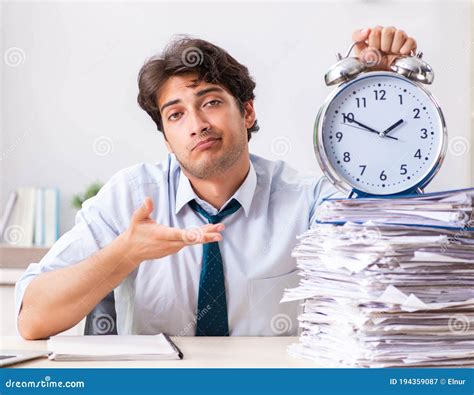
x=244, y=195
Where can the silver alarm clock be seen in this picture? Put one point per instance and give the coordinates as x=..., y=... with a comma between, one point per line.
x=380, y=132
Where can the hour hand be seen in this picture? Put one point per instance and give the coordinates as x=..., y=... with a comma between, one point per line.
x=389, y=129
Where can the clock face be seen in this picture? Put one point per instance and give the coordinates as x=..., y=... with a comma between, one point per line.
x=382, y=134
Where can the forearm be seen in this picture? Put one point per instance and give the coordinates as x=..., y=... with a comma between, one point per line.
x=56, y=301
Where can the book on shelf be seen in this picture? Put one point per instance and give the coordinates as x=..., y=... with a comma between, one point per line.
x=31, y=217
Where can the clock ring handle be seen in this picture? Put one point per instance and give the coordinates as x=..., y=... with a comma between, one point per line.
x=349, y=50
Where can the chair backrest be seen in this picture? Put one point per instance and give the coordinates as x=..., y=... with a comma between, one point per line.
x=102, y=320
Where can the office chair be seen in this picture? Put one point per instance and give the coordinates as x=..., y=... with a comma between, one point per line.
x=102, y=320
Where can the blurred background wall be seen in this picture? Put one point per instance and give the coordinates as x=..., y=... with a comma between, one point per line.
x=68, y=107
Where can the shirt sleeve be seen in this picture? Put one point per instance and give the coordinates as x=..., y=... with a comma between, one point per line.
x=101, y=219
x=322, y=189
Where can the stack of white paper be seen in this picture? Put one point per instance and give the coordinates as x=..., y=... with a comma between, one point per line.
x=393, y=287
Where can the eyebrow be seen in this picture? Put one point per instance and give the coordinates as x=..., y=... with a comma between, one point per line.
x=198, y=94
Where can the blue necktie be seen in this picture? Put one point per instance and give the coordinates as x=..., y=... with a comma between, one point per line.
x=212, y=302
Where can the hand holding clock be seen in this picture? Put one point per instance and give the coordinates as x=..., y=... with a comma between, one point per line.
x=384, y=102
x=382, y=45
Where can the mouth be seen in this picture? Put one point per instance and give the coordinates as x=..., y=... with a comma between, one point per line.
x=207, y=143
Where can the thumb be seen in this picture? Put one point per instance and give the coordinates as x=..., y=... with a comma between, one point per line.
x=144, y=211
x=360, y=36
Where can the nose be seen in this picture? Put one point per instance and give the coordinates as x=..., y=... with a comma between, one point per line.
x=197, y=123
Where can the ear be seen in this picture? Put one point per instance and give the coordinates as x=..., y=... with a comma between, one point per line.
x=249, y=114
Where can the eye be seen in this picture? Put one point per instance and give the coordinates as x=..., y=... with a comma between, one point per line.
x=174, y=116
x=213, y=103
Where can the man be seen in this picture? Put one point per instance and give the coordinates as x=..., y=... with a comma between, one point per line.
x=199, y=244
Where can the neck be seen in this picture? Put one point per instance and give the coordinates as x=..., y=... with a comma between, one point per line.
x=217, y=190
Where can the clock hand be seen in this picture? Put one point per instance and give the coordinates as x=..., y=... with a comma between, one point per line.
x=386, y=131
x=366, y=128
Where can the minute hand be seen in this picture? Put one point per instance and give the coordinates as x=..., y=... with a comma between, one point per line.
x=369, y=128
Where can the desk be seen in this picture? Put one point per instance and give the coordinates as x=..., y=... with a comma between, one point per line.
x=199, y=352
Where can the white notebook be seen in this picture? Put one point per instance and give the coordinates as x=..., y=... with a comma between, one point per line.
x=112, y=348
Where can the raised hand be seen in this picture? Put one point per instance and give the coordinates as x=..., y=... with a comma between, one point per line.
x=147, y=239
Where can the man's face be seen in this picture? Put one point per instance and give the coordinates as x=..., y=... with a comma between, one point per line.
x=203, y=125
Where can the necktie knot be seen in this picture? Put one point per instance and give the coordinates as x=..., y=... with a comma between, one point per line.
x=231, y=208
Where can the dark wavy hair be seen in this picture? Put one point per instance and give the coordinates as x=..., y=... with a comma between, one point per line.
x=211, y=63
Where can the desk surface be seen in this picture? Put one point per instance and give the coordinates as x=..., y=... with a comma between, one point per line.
x=199, y=352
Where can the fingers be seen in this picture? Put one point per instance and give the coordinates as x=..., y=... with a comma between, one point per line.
x=386, y=39
x=212, y=232
x=408, y=46
x=398, y=41
x=213, y=227
x=211, y=237
x=143, y=212
x=191, y=237
x=380, y=46
x=375, y=37
x=204, y=234
x=176, y=234
x=360, y=36
x=391, y=40
x=195, y=235
x=148, y=203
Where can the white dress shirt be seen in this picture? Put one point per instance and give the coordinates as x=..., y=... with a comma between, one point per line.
x=161, y=294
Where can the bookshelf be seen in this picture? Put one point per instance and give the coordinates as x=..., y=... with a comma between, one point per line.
x=20, y=257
